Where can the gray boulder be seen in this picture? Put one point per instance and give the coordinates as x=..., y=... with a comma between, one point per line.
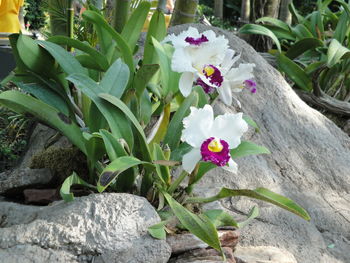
x=97, y=228
x=310, y=163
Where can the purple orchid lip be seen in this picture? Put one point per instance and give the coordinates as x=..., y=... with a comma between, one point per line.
x=219, y=158
x=214, y=75
x=251, y=85
x=196, y=41
x=207, y=89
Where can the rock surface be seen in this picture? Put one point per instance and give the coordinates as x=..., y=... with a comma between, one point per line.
x=263, y=255
x=310, y=163
x=97, y=228
x=20, y=178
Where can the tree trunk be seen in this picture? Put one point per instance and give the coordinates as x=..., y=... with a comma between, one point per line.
x=263, y=8
x=121, y=13
x=245, y=11
x=285, y=15
x=219, y=8
x=184, y=12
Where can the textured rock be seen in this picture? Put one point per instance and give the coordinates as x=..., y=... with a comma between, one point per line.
x=97, y=228
x=20, y=178
x=310, y=163
x=203, y=255
x=263, y=255
x=187, y=241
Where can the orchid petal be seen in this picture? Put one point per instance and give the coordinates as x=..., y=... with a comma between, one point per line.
x=231, y=167
x=190, y=160
x=229, y=127
x=197, y=126
x=186, y=83
x=182, y=61
x=225, y=93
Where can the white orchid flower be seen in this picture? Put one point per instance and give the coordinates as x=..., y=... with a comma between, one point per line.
x=225, y=79
x=211, y=138
x=193, y=51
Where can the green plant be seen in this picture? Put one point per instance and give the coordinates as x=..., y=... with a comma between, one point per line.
x=314, y=51
x=103, y=101
x=33, y=14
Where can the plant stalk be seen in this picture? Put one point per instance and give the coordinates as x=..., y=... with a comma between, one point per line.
x=184, y=12
x=70, y=21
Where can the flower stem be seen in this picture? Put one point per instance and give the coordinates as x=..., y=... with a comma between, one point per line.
x=177, y=182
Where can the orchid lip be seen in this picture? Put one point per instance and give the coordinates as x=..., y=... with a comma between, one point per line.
x=213, y=74
x=196, y=41
x=215, y=151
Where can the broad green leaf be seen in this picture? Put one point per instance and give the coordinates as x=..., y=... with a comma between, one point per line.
x=342, y=27
x=142, y=143
x=260, y=194
x=95, y=150
x=165, y=66
x=113, y=147
x=132, y=29
x=160, y=129
x=157, y=30
x=172, y=138
x=248, y=148
x=199, y=225
x=65, y=59
x=220, y=218
x=253, y=213
x=13, y=38
x=280, y=33
x=294, y=72
x=317, y=28
x=202, y=96
x=158, y=230
x=46, y=95
x=302, y=32
x=275, y=22
x=116, y=167
x=34, y=57
x=314, y=66
x=125, y=51
x=116, y=119
x=24, y=104
x=88, y=62
x=68, y=182
x=143, y=76
x=336, y=52
x=181, y=150
x=260, y=30
x=302, y=46
x=116, y=79
x=97, y=56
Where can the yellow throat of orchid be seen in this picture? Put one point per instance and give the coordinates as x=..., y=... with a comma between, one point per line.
x=215, y=146
x=209, y=70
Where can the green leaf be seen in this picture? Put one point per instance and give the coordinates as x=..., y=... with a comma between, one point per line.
x=143, y=76
x=302, y=32
x=342, y=27
x=19, y=62
x=173, y=135
x=116, y=119
x=202, y=96
x=200, y=225
x=24, y=104
x=181, y=150
x=163, y=171
x=251, y=122
x=97, y=56
x=161, y=126
x=165, y=66
x=260, y=30
x=116, y=79
x=65, y=59
x=140, y=133
x=125, y=51
x=336, y=52
x=34, y=57
x=317, y=25
x=253, y=213
x=260, y=194
x=68, y=182
x=158, y=230
x=132, y=29
x=294, y=72
x=302, y=46
x=113, y=147
x=156, y=30
x=248, y=148
x=220, y=218
x=114, y=169
x=276, y=22
x=296, y=16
